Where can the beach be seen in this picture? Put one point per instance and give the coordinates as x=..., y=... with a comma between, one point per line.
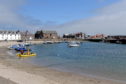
x=9, y=43
x=21, y=73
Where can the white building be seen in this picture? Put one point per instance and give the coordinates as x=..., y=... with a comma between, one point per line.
x=10, y=35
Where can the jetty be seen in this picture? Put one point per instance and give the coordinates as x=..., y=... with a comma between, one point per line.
x=120, y=39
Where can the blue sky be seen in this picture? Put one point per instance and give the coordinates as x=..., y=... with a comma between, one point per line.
x=62, y=11
x=64, y=16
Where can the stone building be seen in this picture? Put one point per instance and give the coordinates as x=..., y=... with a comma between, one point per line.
x=46, y=35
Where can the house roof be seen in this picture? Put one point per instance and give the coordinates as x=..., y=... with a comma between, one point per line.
x=26, y=33
x=9, y=32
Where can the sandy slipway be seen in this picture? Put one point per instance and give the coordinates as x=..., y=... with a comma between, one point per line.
x=6, y=81
x=21, y=77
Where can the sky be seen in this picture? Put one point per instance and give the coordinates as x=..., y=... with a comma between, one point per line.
x=61, y=11
x=64, y=16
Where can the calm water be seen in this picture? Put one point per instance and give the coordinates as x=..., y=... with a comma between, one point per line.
x=97, y=59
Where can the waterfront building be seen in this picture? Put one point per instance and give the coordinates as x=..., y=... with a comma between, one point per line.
x=46, y=35
x=10, y=35
x=27, y=36
x=68, y=36
x=79, y=35
x=97, y=36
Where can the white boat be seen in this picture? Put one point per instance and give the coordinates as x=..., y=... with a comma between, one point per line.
x=27, y=44
x=48, y=42
x=73, y=44
x=12, y=47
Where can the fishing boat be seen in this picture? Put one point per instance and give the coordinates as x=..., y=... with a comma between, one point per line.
x=73, y=44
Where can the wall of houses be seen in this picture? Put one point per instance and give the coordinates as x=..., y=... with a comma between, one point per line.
x=10, y=36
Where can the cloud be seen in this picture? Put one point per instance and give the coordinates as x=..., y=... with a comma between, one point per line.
x=11, y=19
x=109, y=20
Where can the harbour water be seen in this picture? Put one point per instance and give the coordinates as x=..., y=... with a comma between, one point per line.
x=95, y=59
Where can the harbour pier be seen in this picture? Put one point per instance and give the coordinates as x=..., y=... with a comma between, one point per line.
x=120, y=39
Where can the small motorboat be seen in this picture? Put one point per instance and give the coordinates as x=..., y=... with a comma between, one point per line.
x=26, y=54
x=27, y=44
x=19, y=49
x=73, y=44
x=48, y=42
x=12, y=47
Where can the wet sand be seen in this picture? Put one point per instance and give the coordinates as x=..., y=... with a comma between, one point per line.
x=22, y=73
x=5, y=81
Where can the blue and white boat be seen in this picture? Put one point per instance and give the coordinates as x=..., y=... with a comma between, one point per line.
x=18, y=47
x=27, y=44
x=13, y=47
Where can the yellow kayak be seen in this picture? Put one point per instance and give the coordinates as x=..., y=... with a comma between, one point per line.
x=26, y=55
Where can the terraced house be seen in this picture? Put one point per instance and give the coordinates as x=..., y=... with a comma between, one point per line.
x=10, y=35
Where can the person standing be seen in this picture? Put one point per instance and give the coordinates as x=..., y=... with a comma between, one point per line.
x=22, y=52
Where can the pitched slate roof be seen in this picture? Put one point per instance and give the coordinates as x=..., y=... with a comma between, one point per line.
x=9, y=32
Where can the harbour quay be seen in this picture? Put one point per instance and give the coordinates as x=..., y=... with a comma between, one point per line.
x=119, y=39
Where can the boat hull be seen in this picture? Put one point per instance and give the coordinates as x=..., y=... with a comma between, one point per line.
x=73, y=45
x=25, y=55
